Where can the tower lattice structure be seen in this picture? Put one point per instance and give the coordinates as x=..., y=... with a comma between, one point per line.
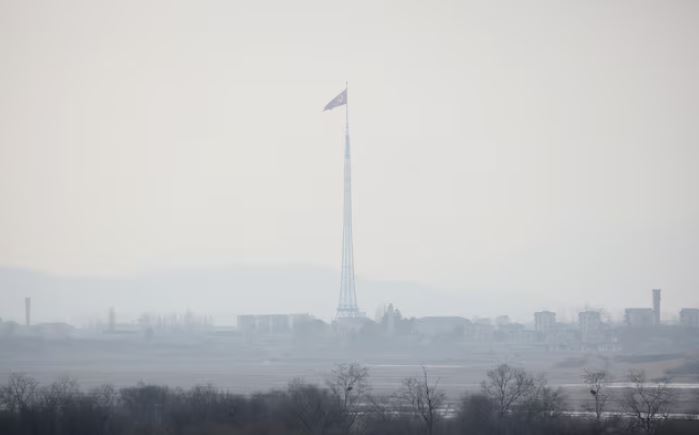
x=347, y=304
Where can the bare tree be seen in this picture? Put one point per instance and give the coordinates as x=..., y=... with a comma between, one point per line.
x=507, y=386
x=424, y=399
x=55, y=399
x=648, y=404
x=313, y=407
x=477, y=415
x=542, y=402
x=597, y=381
x=145, y=403
x=104, y=399
x=105, y=396
x=349, y=383
x=381, y=408
x=59, y=392
x=19, y=393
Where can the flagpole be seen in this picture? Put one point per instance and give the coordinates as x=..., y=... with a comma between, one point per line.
x=352, y=301
x=347, y=145
x=347, y=304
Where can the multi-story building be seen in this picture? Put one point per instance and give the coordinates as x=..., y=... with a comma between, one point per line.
x=544, y=321
x=441, y=325
x=639, y=317
x=689, y=317
x=270, y=323
x=590, y=324
x=589, y=320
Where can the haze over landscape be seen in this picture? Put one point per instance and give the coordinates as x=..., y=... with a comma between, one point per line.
x=490, y=156
x=349, y=218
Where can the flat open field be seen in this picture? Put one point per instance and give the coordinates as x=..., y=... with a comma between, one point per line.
x=246, y=366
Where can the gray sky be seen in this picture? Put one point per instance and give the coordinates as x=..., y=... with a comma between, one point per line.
x=542, y=147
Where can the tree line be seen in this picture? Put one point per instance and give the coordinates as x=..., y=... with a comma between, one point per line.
x=510, y=401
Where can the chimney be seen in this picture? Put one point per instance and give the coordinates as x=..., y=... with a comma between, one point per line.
x=28, y=311
x=656, y=306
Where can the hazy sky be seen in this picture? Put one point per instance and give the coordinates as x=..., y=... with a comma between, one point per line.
x=547, y=147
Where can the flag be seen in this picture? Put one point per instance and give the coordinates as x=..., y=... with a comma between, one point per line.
x=340, y=100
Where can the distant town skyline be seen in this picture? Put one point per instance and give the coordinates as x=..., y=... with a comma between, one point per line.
x=216, y=293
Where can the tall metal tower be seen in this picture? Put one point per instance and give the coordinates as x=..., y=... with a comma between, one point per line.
x=347, y=304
